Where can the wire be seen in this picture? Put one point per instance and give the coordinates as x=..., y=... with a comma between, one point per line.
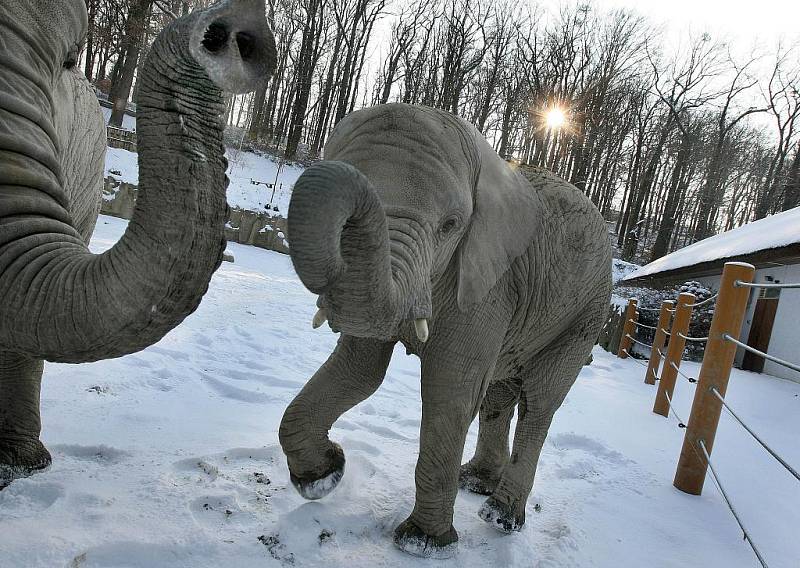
x=682, y=374
x=718, y=483
x=706, y=301
x=687, y=338
x=649, y=309
x=634, y=359
x=753, y=434
x=642, y=325
x=628, y=335
x=681, y=423
x=668, y=334
x=772, y=358
x=740, y=284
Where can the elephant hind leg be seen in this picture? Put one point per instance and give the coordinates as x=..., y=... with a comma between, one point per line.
x=21, y=452
x=482, y=473
x=547, y=380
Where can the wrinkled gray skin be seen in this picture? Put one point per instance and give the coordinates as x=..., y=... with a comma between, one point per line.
x=415, y=217
x=59, y=301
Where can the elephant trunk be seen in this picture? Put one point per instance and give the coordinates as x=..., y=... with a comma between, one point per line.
x=62, y=303
x=341, y=249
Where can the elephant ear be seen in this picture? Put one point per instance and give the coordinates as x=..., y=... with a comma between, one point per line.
x=506, y=215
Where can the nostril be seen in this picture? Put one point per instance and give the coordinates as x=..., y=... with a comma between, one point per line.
x=246, y=44
x=216, y=37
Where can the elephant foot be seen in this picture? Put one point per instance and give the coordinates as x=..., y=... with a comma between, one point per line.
x=478, y=480
x=502, y=516
x=20, y=459
x=409, y=538
x=313, y=487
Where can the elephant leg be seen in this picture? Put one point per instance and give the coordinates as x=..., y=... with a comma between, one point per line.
x=545, y=386
x=482, y=473
x=21, y=452
x=351, y=374
x=453, y=386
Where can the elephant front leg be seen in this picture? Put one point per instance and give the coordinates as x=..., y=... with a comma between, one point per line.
x=351, y=374
x=451, y=395
x=21, y=452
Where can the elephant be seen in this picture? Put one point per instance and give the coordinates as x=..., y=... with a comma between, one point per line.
x=59, y=301
x=414, y=230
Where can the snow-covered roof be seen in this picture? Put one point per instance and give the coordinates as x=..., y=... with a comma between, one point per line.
x=771, y=232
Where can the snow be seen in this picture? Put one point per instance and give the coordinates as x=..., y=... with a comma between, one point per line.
x=124, y=162
x=242, y=168
x=620, y=269
x=170, y=457
x=128, y=121
x=771, y=232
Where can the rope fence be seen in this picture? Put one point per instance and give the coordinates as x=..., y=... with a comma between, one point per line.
x=727, y=500
x=671, y=336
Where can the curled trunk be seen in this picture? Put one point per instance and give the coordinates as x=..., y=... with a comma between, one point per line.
x=371, y=272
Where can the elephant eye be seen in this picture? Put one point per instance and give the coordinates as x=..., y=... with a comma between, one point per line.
x=448, y=226
x=71, y=60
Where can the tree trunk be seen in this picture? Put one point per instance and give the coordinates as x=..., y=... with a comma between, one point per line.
x=135, y=28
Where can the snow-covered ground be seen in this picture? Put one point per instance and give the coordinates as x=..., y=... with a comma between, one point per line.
x=242, y=168
x=170, y=458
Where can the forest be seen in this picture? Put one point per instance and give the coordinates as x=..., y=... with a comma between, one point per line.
x=673, y=140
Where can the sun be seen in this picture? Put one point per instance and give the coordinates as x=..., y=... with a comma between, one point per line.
x=555, y=118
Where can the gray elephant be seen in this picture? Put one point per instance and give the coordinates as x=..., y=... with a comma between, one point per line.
x=59, y=301
x=415, y=230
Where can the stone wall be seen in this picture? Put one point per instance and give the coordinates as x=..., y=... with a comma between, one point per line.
x=245, y=227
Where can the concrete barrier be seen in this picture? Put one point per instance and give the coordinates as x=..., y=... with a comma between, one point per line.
x=244, y=227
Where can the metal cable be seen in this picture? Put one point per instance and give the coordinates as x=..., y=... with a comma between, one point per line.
x=634, y=359
x=681, y=423
x=687, y=338
x=706, y=301
x=668, y=334
x=740, y=284
x=764, y=445
x=718, y=483
x=681, y=373
x=649, y=309
x=628, y=335
x=642, y=325
x=767, y=356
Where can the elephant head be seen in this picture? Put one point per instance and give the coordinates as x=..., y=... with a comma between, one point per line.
x=409, y=199
x=60, y=302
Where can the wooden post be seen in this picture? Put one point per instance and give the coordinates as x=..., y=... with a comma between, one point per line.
x=714, y=374
x=628, y=329
x=680, y=327
x=659, y=341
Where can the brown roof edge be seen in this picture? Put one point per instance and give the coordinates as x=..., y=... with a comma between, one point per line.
x=789, y=254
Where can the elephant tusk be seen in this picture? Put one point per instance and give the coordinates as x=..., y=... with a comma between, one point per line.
x=319, y=318
x=421, y=326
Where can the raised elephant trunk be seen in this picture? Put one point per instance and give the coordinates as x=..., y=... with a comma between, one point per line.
x=59, y=301
x=341, y=249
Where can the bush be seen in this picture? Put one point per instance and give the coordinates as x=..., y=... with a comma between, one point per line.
x=650, y=303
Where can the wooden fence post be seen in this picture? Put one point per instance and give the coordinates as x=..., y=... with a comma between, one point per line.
x=714, y=374
x=659, y=341
x=680, y=327
x=628, y=329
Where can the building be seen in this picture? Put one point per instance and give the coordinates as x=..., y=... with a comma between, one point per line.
x=772, y=321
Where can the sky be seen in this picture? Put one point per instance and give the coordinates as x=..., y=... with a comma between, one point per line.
x=740, y=21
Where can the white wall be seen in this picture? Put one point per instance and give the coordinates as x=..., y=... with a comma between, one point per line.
x=785, y=339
